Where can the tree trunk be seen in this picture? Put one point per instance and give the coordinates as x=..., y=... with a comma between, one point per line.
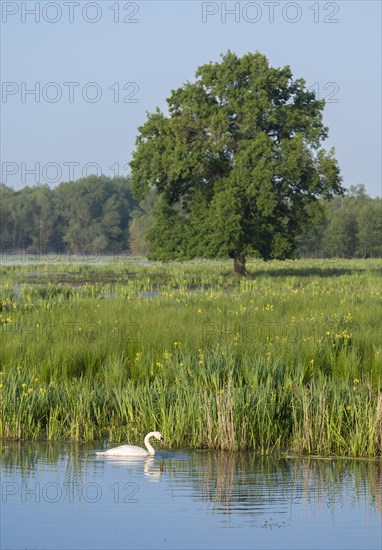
x=239, y=264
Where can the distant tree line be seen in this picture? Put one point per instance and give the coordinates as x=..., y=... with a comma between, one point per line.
x=99, y=214
x=351, y=227
x=83, y=216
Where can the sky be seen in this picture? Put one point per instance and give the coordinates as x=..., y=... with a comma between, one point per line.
x=78, y=77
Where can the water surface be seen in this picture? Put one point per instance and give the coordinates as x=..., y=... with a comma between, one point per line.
x=64, y=497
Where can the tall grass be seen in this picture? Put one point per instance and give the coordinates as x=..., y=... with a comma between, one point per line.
x=288, y=359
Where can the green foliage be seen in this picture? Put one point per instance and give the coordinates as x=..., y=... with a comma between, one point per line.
x=340, y=235
x=141, y=221
x=369, y=229
x=237, y=162
x=351, y=227
x=168, y=235
x=85, y=216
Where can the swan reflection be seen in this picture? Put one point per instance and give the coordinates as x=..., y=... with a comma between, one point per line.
x=152, y=468
x=153, y=474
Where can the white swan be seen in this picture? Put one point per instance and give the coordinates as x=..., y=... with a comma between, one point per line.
x=133, y=450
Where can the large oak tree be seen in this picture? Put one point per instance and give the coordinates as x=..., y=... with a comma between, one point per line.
x=237, y=163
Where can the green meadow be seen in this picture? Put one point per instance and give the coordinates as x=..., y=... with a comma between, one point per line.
x=286, y=359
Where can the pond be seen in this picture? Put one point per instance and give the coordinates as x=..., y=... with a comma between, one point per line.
x=62, y=496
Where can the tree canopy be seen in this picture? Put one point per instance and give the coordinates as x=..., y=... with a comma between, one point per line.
x=237, y=163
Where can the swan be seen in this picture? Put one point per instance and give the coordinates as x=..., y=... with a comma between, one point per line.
x=133, y=450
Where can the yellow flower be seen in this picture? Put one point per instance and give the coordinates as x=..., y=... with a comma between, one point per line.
x=355, y=381
x=35, y=379
x=348, y=408
x=23, y=385
x=1, y=386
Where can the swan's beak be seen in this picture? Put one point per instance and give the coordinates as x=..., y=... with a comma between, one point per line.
x=162, y=439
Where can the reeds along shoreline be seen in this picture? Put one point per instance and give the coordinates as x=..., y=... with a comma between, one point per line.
x=288, y=359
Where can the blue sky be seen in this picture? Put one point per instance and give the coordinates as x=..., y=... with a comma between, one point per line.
x=61, y=132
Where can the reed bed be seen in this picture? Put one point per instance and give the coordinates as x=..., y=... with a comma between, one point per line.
x=289, y=358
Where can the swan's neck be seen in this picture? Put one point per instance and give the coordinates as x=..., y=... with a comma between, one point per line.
x=149, y=447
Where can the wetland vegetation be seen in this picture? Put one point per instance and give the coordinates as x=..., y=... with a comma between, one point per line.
x=286, y=359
